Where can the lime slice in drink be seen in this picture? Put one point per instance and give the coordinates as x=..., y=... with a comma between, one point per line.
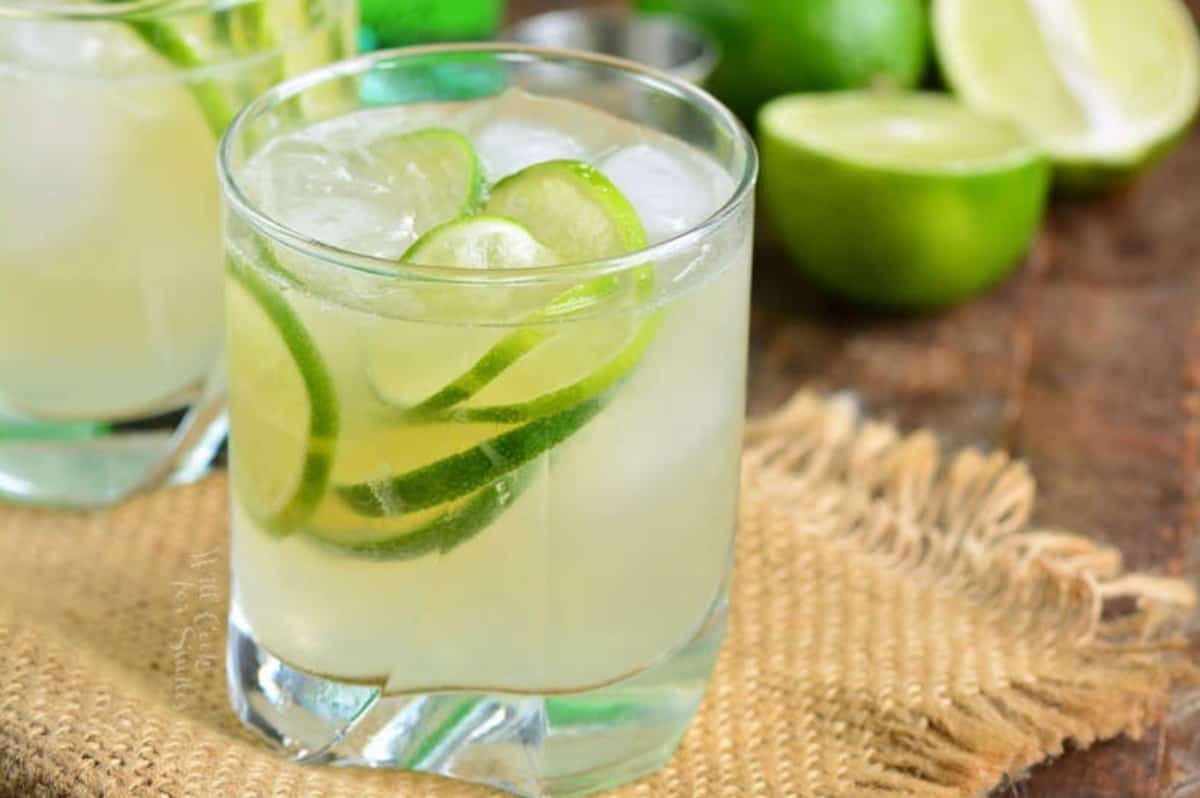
x=1105, y=86
x=437, y=530
x=477, y=242
x=570, y=207
x=282, y=448
x=577, y=208
x=466, y=471
x=579, y=214
x=480, y=242
x=434, y=171
x=906, y=200
x=775, y=47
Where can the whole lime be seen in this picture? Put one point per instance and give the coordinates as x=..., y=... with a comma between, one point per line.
x=899, y=199
x=773, y=47
x=397, y=22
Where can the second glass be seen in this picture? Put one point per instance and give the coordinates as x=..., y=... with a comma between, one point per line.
x=110, y=315
x=487, y=313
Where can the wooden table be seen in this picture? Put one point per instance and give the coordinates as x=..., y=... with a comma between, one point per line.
x=1086, y=364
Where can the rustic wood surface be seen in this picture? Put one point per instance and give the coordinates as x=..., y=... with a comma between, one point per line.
x=1086, y=363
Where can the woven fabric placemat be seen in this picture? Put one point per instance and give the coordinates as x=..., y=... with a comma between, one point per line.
x=897, y=628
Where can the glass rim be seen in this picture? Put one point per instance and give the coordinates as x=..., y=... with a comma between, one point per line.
x=394, y=269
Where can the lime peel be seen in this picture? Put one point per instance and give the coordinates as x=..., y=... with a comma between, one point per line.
x=871, y=214
x=444, y=532
x=464, y=472
x=319, y=388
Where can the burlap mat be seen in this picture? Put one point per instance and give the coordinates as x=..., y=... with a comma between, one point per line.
x=896, y=630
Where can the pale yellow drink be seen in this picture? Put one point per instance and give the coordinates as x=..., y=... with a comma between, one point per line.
x=615, y=549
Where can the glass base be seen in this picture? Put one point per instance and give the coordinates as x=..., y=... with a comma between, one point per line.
x=83, y=465
x=563, y=744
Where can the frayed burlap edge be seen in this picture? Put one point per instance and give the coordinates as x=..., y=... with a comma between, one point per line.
x=896, y=628
x=959, y=527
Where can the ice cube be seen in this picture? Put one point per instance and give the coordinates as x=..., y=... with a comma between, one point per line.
x=330, y=195
x=508, y=146
x=671, y=191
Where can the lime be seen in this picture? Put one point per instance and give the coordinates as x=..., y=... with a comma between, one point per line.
x=577, y=211
x=418, y=21
x=480, y=242
x=902, y=199
x=283, y=450
x=464, y=472
x=570, y=207
x=438, y=530
x=773, y=47
x=592, y=384
x=1103, y=88
x=434, y=171
x=582, y=216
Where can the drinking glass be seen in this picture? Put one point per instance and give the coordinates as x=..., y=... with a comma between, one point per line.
x=110, y=315
x=482, y=517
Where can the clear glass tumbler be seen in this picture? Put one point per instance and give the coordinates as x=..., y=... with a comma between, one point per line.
x=483, y=517
x=110, y=315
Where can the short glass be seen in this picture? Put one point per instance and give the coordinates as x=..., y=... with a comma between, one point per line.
x=110, y=257
x=483, y=518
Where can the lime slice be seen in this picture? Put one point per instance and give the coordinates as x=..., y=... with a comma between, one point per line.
x=906, y=200
x=570, y=207
x=1103, y=88
x=581, y=216
x=434, y=171
x=576, y=210
x=628, y=355
x=774, y=47
x=469, y=470
x=480, y=242
x=443, y=531
x=282, y=401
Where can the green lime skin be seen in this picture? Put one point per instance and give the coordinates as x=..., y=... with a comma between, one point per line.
x=773, y=47
x=907, y=241
x=399, y=22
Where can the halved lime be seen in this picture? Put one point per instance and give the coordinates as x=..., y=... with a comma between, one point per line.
x=283, y=403
x=1104, y=86
x=899, y=199
x=434, y=171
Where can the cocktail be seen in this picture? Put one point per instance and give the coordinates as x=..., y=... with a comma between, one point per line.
x=110, y=316
x=487, y=313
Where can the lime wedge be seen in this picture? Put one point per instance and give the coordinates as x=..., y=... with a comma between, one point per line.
x=570, y=207
x=906, y=200
x=480, y=242
x=282, y=450
x=434, y=171
x=1102, y=87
